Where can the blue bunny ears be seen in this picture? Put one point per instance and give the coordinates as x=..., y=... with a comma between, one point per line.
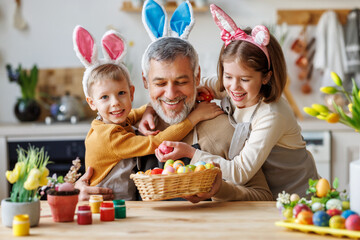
x=154, y=18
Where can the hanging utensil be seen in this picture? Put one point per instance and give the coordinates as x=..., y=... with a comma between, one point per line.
x=19, y=21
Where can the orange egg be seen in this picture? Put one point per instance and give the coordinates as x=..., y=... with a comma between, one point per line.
x=199, y=168
x=322, y=187
x=305, y=217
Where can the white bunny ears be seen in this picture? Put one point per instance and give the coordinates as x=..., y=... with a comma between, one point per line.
x=260, y=35
x=154, y=18
x=113, y=47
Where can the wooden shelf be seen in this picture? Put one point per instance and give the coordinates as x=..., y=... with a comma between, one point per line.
x=308, y=16
x=170, y=7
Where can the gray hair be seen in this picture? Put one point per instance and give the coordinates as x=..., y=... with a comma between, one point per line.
x=167, y=49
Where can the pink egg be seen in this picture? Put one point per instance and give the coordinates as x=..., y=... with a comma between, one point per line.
x=165, y=149
x=168, y=170
x=68, y=187
x=353, y=222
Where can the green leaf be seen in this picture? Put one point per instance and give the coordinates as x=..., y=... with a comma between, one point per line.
x=336, y=183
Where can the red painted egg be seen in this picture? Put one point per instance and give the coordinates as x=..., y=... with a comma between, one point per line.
x=156, y=171
x=165, y=149
x=206, y=97
x=299, y=208
x=333, y=212
x=353, y=222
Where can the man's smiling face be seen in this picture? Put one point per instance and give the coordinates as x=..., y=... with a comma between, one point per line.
x=172, y=88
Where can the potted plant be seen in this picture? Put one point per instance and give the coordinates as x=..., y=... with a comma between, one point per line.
x=28, y=175
x=350, y=119
x=26, y=108
x=62, y=196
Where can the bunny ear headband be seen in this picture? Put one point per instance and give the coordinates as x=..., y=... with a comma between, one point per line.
x=113, y=47
x=154, y=18
x=260, y=35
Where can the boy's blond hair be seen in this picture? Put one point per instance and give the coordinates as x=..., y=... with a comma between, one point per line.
x=108, y=71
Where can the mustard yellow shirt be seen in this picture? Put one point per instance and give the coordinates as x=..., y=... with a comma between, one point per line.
x=107, y=144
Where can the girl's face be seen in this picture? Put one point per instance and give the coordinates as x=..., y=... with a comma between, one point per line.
x=242, y=83
x=112, y=99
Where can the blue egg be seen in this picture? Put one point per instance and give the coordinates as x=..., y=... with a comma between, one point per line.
x=200, y=163
x=345, y=214
x=321, y=219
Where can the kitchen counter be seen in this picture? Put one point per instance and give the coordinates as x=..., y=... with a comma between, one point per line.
x=174, y=220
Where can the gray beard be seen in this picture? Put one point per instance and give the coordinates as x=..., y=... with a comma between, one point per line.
x=174, y=117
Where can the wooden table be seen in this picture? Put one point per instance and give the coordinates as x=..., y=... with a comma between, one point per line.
x=173, y=220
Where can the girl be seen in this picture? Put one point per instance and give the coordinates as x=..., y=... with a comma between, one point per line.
x=251, y=79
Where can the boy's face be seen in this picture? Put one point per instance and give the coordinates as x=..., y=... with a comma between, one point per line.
x=172, y=88
x=112, y=99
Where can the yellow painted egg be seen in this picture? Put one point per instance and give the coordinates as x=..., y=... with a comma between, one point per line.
x=183, y=169
x=209, y=166
x=337, y=221
x=322, y=187
x=288, y=212
x=177, y=164
x=148, y=172
x=199, y=168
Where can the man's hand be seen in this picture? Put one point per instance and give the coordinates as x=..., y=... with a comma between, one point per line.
x=85, y=190
x=203, y=196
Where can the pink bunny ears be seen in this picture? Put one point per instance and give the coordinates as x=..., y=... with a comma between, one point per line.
x=113, y=47
x=260, y=35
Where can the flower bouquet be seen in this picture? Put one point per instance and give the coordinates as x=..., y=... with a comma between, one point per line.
x=323, y=113
x=28, y=175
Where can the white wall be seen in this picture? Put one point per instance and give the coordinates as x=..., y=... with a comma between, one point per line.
x=48, y=40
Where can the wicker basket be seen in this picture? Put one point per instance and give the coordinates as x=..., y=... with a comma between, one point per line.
x=161, y=187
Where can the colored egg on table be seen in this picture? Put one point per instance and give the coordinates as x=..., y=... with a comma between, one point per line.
x=287, y=213
x=337, y=222
x=169, y=162
x=317, y=206
x=209, y=166
x=294, y=197
x=322, y=187
x=333, y=212
x=168, y=170
x=321, y=219
x=183, y=169
x=199, y=163
x=199, y=168
x=305, y=217
x=177, y=164
x=334, y=203
x=299, y=208
x=191, y=167
x=345, y=205
x=353, y=222
x=347, y=213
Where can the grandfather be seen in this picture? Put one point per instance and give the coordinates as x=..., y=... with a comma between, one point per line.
x=171, y=73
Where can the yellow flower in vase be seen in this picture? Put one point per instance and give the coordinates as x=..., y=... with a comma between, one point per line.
x=323, y=113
